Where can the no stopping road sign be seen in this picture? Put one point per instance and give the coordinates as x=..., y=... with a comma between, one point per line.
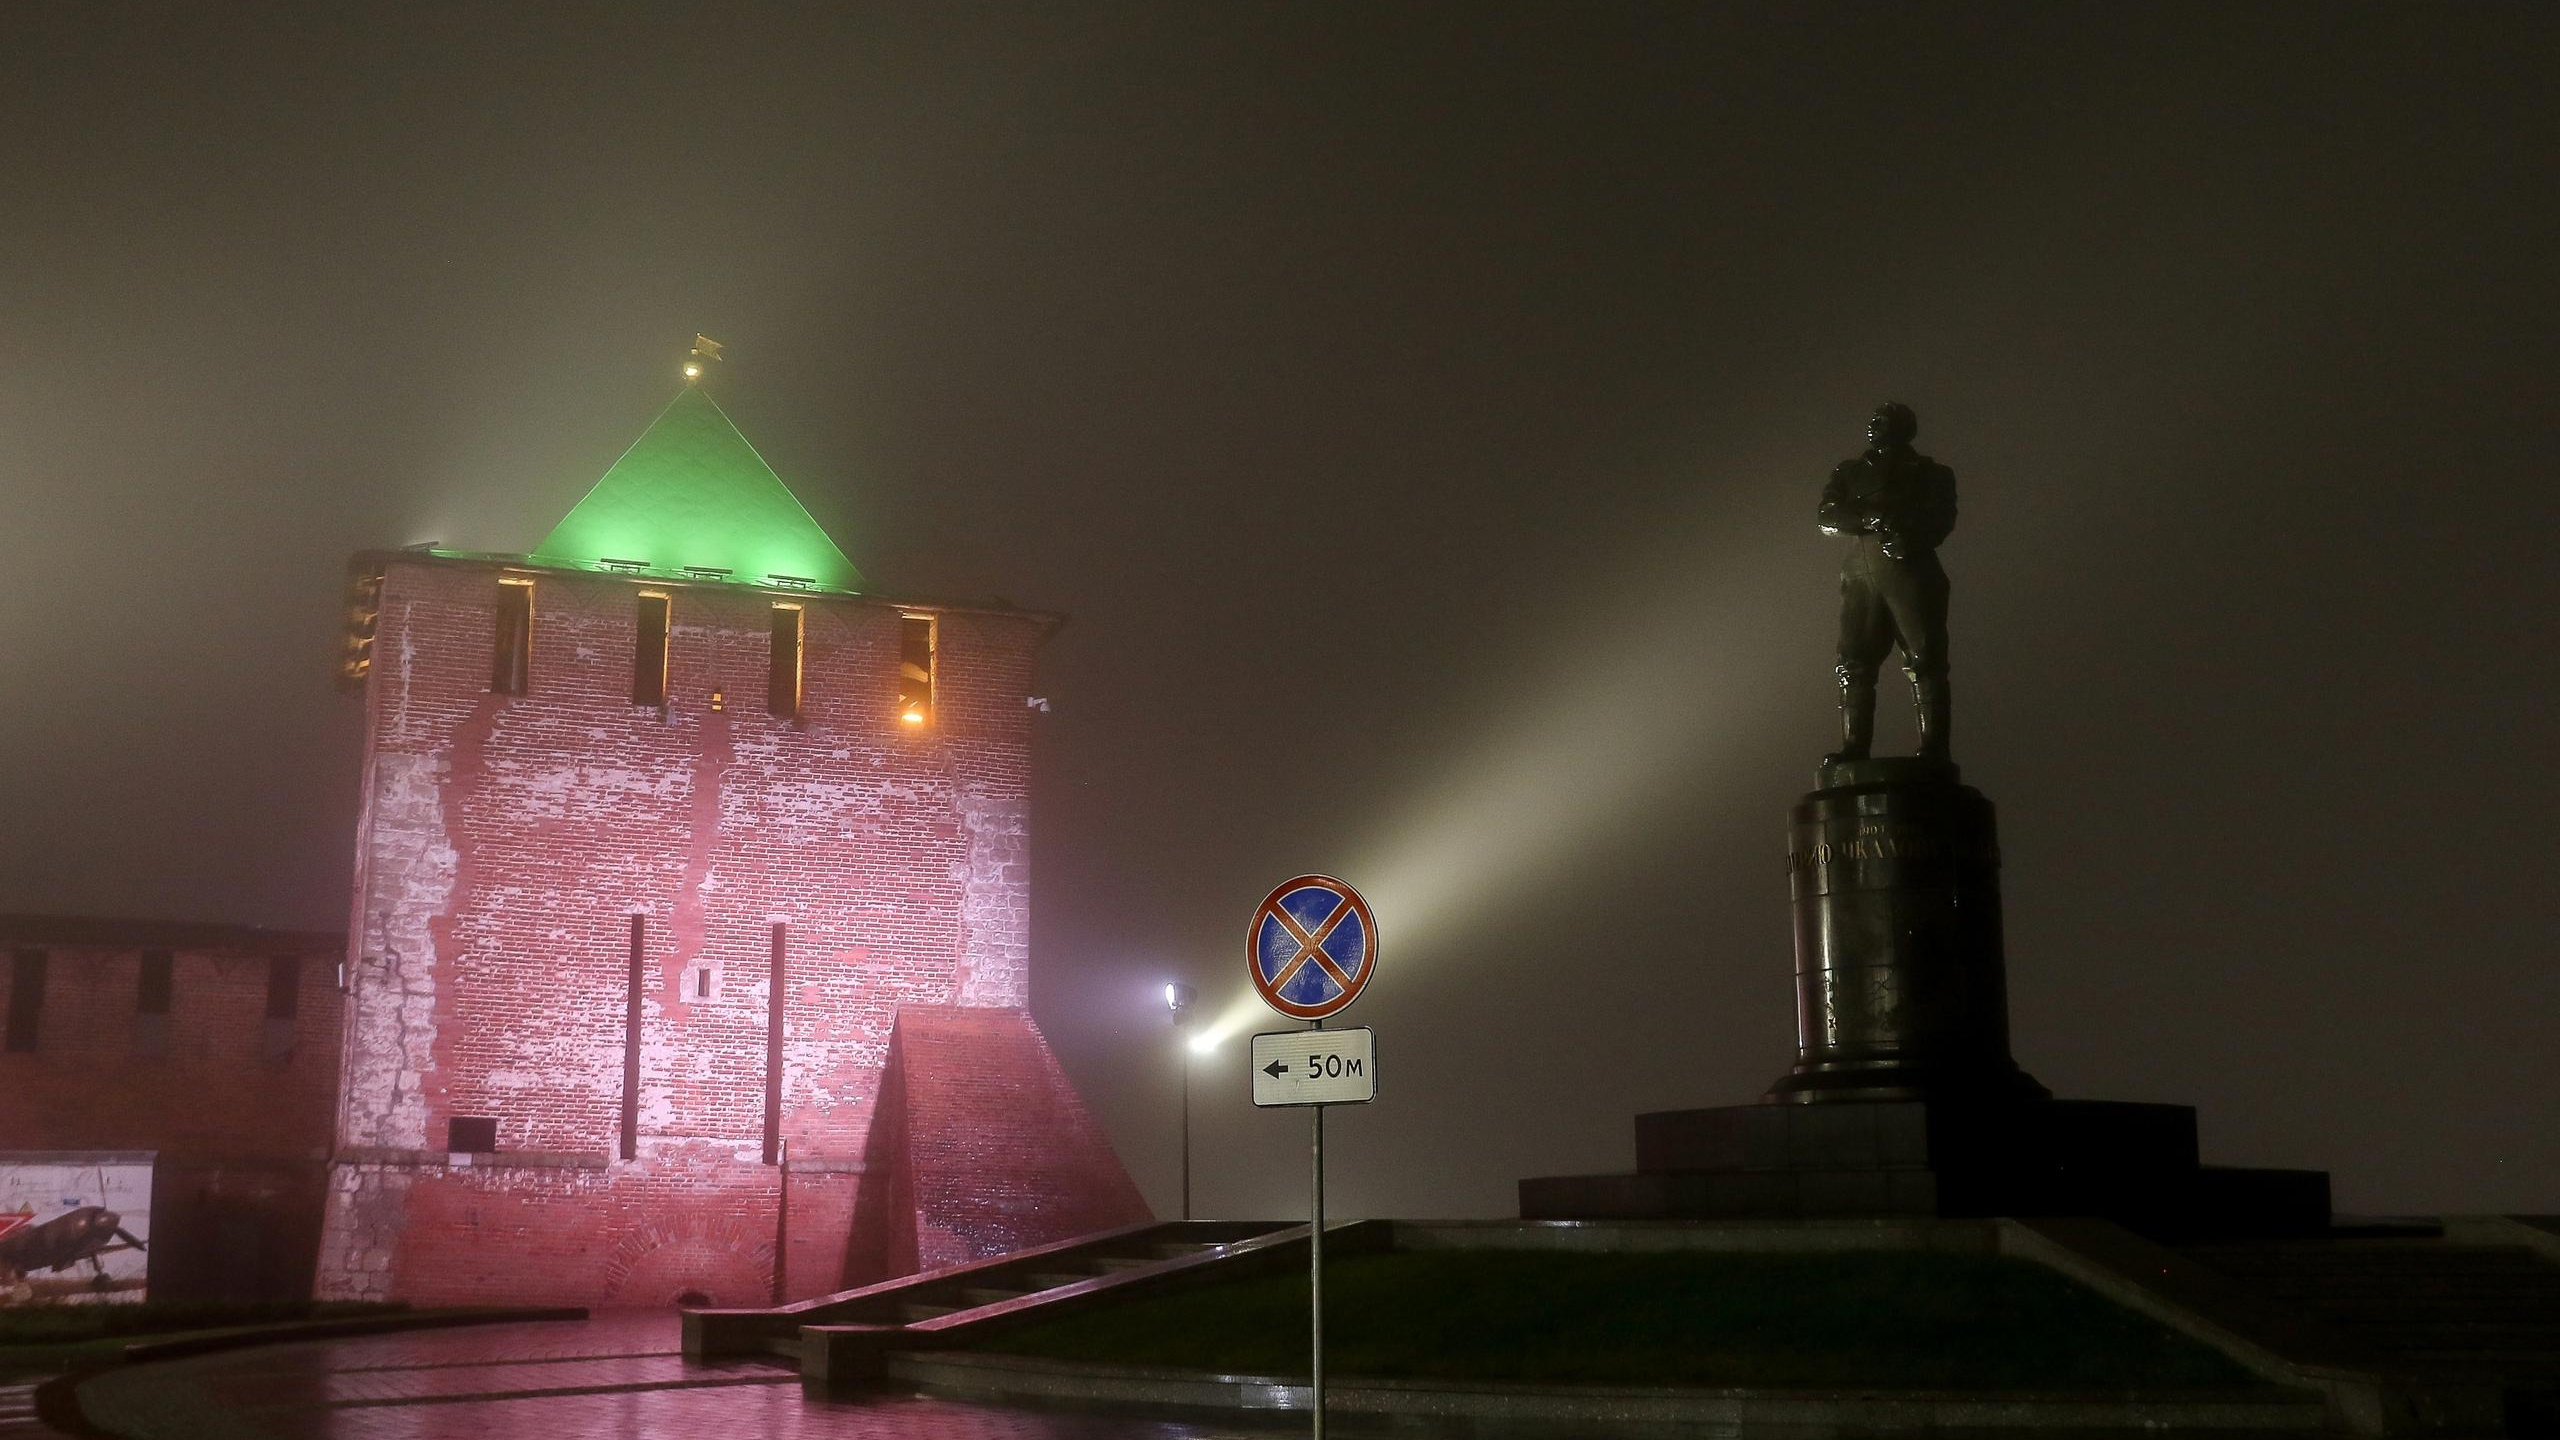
x=1312, y=947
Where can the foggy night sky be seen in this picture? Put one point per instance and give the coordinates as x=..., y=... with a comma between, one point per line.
x=1421, y=413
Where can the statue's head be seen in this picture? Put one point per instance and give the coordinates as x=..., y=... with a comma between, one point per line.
x=1893, y=424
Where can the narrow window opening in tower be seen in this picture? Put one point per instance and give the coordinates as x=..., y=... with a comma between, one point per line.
x=284, y=1003
x=773, y=1000
x=649, y=652
x=782, y=681
x=511, y=663
x=916, y=675
x=26, y=998
x=159, y=981
x=364, y=612
x=284, y=987
x=151, y=1003
x=630, y=1147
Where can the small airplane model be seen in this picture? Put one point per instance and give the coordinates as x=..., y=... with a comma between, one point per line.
x=89, y=1233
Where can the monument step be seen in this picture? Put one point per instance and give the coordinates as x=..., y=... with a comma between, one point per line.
x=2434, y=1334
x=2397, y=1272
x=2167, y=1202
x=1702, y=1195
x=2414, y=1319
x=2433, y=1251
x=1925, y=1134
x=2546, y=1279
x=2449, y=1271
x=2381, y=1288
x=2384, y=1311
x=2511, y=1365
x=2427, y=1304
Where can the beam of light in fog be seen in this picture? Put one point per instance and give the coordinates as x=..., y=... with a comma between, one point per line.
x=1647, y=686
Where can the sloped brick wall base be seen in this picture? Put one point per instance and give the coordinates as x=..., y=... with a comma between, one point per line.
x=996, y=1151
x=980, y=1146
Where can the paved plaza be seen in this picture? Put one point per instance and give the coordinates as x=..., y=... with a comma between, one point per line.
x=619, y=1375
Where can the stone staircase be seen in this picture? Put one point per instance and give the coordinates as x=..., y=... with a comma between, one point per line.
x=2474, y=1303
x=934, y=1300
x=1004, y=1288
x=18, y=1411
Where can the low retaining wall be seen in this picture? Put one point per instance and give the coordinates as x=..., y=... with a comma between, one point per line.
x=1804, y=1413
x=1643, y=1237
x=2315, y=1379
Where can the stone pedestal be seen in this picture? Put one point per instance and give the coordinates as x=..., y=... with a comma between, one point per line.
x=1904, y=1100
x=1901, y=985
x=2132, y=1163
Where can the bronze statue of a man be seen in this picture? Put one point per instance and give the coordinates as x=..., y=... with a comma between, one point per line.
x=1897, y=505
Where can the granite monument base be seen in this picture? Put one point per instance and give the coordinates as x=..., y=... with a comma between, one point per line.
x=1904, y=1099
x=1902, y=988
x=2132, y=1163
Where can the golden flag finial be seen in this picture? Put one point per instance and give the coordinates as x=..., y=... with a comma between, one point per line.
x=705, y=353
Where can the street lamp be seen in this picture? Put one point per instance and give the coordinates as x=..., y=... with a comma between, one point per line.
x=1177, y=999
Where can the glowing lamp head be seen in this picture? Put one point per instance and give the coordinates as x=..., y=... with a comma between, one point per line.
x=911, y=716
x=1178, y=997
x=693, y=369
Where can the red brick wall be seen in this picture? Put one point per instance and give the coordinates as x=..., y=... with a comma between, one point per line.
x=996, y=1150
x=212, y=1093
x=507, y=841
x=239, y=1111
x=691, y=1220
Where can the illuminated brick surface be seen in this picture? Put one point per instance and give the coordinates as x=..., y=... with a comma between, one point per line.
x=991, y=1150
x=506, y=841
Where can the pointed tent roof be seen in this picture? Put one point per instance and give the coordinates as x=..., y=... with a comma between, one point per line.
x=691, y=492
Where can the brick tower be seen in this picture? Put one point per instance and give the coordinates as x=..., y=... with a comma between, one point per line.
x=691, y=922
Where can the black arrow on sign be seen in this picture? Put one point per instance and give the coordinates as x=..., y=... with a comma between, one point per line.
x=1275, y=1069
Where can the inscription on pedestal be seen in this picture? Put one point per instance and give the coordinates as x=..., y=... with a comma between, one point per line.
x=1900, y=983
x=1888, y=841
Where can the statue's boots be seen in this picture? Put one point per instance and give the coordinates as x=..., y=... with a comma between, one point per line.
x=1857, y=719
x=1931, y=695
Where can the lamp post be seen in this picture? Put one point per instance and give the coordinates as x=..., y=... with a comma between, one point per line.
x=1177, y=999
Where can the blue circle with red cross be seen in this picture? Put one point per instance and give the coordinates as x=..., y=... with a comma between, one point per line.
x=1312, y=947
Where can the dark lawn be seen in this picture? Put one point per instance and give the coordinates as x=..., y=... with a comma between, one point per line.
x=1889, y=1320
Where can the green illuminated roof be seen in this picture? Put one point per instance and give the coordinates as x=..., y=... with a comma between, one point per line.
x=692, y=495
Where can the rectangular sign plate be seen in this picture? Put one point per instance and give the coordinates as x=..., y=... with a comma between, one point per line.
x=1315, y=1067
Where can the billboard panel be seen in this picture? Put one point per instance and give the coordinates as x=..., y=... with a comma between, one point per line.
x=75, y=1226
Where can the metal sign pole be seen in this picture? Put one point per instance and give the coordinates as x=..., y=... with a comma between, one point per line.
x=1315, y=1276
x=1308, y=963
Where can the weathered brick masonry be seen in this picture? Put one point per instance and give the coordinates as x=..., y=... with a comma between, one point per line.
x=509, y=842
x=215, y=1046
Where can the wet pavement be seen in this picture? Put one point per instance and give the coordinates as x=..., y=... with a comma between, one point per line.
x=624, y=1376
x=617, y=1375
